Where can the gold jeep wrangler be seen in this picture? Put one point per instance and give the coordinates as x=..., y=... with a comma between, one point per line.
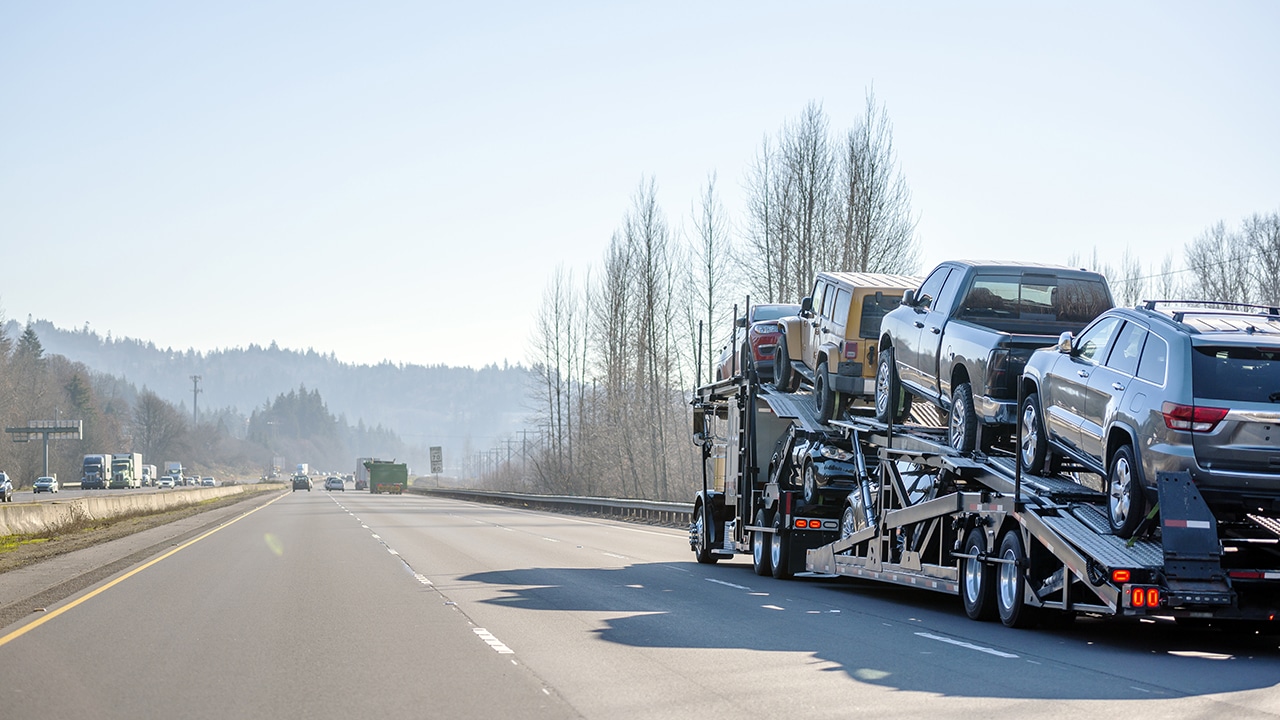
x=831, y=344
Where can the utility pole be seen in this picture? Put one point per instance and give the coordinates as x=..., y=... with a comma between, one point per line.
x=195, y=393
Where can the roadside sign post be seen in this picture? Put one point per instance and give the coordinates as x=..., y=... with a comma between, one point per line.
x=437, y=462
x=48, y=430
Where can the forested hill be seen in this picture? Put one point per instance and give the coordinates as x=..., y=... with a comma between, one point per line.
x=463, y=409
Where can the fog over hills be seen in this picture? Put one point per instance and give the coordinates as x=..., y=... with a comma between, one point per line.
x=462, y=409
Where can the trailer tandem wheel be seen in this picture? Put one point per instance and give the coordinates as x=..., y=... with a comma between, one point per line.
x=978, y=589
x=1011, y=583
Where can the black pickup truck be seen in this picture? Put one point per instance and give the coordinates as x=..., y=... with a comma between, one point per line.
x=961, y=340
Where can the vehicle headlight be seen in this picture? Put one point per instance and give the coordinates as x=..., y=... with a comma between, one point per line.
x=765, y=328
x=836, y=453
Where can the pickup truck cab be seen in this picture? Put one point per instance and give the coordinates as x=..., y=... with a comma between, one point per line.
x=961, y=340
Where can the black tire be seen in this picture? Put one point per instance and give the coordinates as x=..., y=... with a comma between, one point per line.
x=780, y=550
x=978, y=579
x=887, y=386
x=702, y=533
x=1011, y=583
x=824, y=396
x=1126, y=503
x=1035, y=443
x=784, y=376
x=760, y=549
x=962, y=422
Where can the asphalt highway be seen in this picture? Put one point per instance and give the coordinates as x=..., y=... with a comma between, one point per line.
x=343, y=605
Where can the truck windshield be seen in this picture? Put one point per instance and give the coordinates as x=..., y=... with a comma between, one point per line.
x=1033, y=303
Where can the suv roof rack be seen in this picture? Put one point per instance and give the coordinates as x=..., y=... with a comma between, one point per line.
x=1179, y=314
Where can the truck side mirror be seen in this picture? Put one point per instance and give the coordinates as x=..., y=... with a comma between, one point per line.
x=909, y=297
x=1064, y=343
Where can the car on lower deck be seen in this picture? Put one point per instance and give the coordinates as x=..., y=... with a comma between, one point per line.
x=1163, y=387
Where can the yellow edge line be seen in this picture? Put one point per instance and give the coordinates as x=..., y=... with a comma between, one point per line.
x=51, y=615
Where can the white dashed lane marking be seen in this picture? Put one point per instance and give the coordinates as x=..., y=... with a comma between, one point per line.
x=492, y=641
x=969, y=646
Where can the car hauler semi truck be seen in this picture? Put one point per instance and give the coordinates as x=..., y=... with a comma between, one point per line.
x=906, y=508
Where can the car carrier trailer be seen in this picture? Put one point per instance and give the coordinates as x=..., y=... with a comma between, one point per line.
x=1012, y=544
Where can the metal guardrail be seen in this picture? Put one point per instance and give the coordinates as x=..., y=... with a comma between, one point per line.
x=666, y=513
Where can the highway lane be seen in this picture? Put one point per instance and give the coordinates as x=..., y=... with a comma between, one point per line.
x=602, y=619
x=290, y=612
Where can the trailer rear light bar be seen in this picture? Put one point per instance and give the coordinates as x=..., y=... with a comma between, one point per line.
x=816, y=524
x=1254, y=574
x=1142, y=597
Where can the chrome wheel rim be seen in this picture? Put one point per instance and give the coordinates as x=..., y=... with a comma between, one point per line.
x=882, y=390
x=1008, y=579
x=1030, y=435
x=972, y=574
x=775, y=547
x=956, y=423
x=1121, y=478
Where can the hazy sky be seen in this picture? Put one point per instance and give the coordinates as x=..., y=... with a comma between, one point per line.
x=397, y=180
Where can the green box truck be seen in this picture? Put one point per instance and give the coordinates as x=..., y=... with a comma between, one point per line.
x=387, y=477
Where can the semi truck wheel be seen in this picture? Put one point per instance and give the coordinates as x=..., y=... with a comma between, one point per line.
x=759, y=550
x=978, y=584
x=702, y=537
x=780, y=549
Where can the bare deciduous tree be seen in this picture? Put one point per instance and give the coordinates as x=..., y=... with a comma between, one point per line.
x=875, y=230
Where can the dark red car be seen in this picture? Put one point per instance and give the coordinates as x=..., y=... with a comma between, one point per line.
x=757, y=341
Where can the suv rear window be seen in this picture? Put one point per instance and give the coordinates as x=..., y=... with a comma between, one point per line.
x=874, y=308
x=1236, y=372
x=1031, y=303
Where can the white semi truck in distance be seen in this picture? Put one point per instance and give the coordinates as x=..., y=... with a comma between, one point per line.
x=126, y=470
x=149, y=476
x=173, y=468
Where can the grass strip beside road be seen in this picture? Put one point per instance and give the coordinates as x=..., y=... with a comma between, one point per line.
x=21, y=550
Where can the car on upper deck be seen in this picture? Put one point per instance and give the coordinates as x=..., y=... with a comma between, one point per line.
x=757, y=341
x=1163, y=387
x=831, y=343
x=960, y=340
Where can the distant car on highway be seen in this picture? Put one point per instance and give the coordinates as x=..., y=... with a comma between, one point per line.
x=165, y=482
x=208, y=482
x=6, y=488
x=302, y=482
x=45, y=484
x=334, y=483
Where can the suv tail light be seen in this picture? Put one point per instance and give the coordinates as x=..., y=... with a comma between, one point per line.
x=850, y=349
x=1191, y=418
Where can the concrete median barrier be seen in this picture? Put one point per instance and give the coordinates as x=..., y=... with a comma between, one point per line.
x=30, y=518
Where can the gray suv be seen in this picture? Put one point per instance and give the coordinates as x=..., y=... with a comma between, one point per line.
x=1154, y=388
